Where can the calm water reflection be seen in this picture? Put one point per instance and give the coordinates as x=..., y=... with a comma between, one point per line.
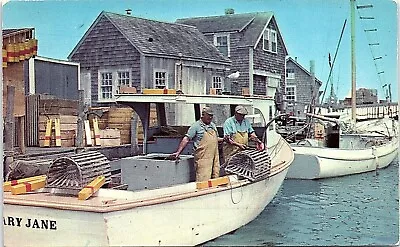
x=353, y=210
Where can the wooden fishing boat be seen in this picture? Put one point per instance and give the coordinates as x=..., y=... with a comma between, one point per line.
x=175, y=212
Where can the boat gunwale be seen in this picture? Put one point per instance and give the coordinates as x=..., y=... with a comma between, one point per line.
x=106, y=208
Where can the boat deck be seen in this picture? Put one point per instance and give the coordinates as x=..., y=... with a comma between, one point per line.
x=109, y=200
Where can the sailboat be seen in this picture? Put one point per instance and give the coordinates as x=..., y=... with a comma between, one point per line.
x=338, y=147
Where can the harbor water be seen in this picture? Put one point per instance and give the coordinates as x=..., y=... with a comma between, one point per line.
x=359, y=210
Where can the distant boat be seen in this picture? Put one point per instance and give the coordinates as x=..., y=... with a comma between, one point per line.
x=344, y=147
x=176, y=213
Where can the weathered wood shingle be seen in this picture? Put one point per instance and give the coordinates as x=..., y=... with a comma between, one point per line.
x=151, y=37
x=251, y=25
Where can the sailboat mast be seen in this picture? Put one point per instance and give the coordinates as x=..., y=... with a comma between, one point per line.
x=353, y=60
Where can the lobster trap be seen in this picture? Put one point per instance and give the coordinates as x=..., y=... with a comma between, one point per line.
x=76, y=171
x=251, y=164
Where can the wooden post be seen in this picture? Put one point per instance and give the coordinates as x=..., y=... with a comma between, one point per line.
x=21, y=141
x=88, y=133
x=96, y=132
x=57, y=129
x=81, y=118
x=9, y=130
x=47, y=136
x=134, y=141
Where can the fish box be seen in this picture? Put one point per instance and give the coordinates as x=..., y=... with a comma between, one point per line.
x=155, y=171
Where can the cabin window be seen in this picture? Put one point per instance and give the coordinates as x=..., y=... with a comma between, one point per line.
x=270, y=40
x=217, y=84
x=222, y=44
x=160, y=79
x=290, y=73
x=291, y=94
x=111, y=80
x=106, y=85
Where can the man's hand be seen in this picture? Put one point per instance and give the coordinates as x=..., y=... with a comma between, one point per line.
x=260, y=146
x=174, y=156
x=241, y=146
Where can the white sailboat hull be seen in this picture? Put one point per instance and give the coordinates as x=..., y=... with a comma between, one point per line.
x=179, y=215
x=322, y=162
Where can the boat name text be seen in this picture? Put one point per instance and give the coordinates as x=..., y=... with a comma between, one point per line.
x=30, y=223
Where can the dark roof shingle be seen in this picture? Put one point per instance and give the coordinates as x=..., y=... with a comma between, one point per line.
x=162, y=38
x=251, y=24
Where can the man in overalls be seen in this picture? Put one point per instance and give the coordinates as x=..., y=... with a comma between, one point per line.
x=237, y=130
x=205, y=143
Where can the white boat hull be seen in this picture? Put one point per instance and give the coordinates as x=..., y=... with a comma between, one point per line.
x=174, y=216
x=321, y=162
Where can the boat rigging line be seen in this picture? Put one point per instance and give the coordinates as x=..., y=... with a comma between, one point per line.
x=333, y=63
x=371, y=44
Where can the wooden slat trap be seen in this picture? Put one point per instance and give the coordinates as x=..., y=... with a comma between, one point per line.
x=251, y=164
x=76, y=171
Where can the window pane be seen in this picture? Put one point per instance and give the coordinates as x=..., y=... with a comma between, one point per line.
x=266, y=40
x=273, y=40
x=106, y=85
x=290, y=73
x=217, y=84
x=223, y=50
x=160, y=79
x=222, y=41
x=123, y=78
x=222, y=44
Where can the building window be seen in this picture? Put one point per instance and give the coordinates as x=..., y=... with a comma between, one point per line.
x=160, y=79
x=291, y=94
x=123, y=78
x=270, y=40
x=222, y=44
x=290, y=73
x=106, y=85
x=273, y=43
x=217, y=84
x=111, y=81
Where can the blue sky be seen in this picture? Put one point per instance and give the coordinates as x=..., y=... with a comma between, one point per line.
x=310, y=29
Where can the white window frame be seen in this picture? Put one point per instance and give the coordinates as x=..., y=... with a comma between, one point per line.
x=115, y=82
x=291, y=74
x=217, y=83
x=165, y=79
x=288, y=96
x=216, y=36
x=103, y=86
x=270, y=40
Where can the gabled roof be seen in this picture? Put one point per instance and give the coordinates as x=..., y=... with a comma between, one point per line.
x=302, y=68
x=152, y=37
x=251, y=24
